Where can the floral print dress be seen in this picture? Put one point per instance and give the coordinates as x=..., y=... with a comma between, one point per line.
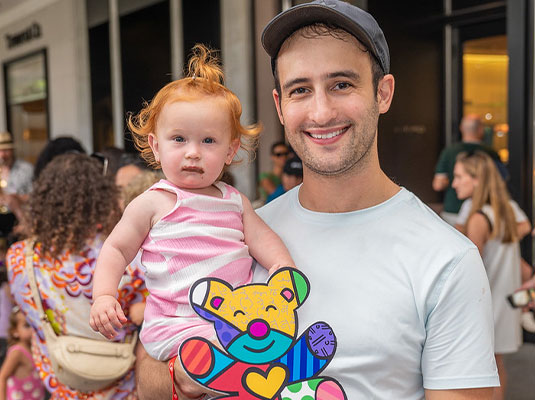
x=65, y=284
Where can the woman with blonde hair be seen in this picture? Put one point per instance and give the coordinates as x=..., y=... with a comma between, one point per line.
x=492, y=226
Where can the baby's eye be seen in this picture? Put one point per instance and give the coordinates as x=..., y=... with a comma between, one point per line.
x=208, y=140
x=179, y=139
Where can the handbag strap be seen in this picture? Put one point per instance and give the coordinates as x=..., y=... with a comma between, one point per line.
x=48, y=331
x=31, y=278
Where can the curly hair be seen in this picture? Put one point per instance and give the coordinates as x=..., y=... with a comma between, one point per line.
x=204, y=77
x=71, y=202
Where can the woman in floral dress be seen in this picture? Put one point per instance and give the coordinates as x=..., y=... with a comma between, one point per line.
x=73, y=207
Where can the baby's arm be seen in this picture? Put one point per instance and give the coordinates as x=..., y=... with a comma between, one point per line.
x=118, y=251
x=264, y=244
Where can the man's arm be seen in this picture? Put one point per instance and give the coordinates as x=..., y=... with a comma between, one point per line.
x=460, y=394
x=153, y=380
x=440, y=182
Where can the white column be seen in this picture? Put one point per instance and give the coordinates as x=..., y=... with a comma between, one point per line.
x=116, y=74
x=177, y=38
x=237, y=54
x=448, y=79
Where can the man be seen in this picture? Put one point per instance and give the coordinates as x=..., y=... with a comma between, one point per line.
x=406, y=295
x=15, y=183
x=471, y=129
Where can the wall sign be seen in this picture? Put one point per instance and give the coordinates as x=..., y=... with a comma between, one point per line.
x=28, y=34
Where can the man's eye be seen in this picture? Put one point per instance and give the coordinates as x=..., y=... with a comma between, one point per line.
x=179, y=139
x=298, y=91
x=208, y=140
x=342, y=85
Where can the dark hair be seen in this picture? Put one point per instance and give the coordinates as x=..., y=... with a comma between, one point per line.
x=71, y=202
x=114, y=156
x=322, y=29
x=53, y=149
x=276, y=144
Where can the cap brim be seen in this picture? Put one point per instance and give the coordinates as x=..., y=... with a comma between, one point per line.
x=282, y=26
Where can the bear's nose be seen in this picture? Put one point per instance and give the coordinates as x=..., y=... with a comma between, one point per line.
x=258, y=328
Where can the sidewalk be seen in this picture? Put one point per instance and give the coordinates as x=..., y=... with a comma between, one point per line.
x=521, y=372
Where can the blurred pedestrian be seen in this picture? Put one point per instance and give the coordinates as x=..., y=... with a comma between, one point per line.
x=73, y=207
x=292, y=176
x=19, y=379
x=269, y=180
x=472, y=133
x=492, y=226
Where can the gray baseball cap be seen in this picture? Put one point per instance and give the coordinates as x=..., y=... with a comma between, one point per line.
x=352, y=19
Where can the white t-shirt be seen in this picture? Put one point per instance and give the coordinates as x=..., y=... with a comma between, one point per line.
x=406, y=295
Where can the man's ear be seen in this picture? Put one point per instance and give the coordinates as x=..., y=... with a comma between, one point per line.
x=385, y=93
x=233, y=148
x=276, y=99
x=153, y=143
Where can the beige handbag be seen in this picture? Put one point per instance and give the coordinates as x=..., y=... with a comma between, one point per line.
x=83, y=364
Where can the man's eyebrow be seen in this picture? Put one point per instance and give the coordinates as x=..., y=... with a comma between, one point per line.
x=293, y=82
x=344, y=74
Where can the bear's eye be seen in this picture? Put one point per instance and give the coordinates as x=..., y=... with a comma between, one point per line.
x=238, y=312
x=271, y=307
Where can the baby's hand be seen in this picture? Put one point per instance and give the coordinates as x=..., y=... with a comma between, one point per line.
x=106, y=314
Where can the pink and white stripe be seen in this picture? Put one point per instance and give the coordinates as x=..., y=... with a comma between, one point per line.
x=201, y=237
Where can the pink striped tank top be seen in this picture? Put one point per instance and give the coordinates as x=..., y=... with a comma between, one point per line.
x=201, y=237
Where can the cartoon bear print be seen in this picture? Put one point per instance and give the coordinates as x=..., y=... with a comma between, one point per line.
x=256, y=326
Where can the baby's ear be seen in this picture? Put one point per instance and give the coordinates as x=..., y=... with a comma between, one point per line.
x=153, y=143
x=233, y=148
x=293, y=284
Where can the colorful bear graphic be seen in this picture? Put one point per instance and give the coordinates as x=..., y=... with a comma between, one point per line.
x=256, y=325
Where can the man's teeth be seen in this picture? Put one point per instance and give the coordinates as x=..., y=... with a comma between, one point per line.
x=327, y=135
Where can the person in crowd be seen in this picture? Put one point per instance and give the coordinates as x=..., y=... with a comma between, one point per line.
x=114, y=158
x=5, y=306
x=192, y=130
x=15, y=185
x=292, y=175
x=472, y=132
x=406, y=295
x=54, y=148
x=492, y=226
x=269, y=181
x=130, y=166
x=73, y=207
x=19, y=379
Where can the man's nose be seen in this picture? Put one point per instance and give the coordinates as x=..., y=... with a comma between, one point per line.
x=322, y=108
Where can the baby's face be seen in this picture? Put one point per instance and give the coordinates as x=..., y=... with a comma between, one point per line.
x=193, y=141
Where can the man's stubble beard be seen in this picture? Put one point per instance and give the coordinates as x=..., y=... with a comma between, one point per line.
x=353, y=158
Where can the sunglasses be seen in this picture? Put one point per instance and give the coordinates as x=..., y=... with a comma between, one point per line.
x=281, y=153
x=103, y=160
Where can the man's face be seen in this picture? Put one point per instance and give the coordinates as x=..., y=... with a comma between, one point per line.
x=327, y=103
x=7, y=157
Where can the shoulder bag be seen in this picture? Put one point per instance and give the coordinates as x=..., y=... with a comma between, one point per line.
x=84, y=364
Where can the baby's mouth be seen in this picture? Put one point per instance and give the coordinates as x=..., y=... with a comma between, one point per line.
x=197, y=170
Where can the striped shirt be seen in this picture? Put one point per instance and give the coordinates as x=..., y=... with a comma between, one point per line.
x=201, y=237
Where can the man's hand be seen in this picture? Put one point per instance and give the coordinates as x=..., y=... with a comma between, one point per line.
x=106, y=315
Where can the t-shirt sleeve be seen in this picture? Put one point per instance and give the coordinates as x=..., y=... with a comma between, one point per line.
x=442, y=164
x=520, y=216
x=459, y=349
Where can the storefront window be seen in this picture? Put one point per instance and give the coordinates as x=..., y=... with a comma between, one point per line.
x=27, y=103
x=485, y=66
